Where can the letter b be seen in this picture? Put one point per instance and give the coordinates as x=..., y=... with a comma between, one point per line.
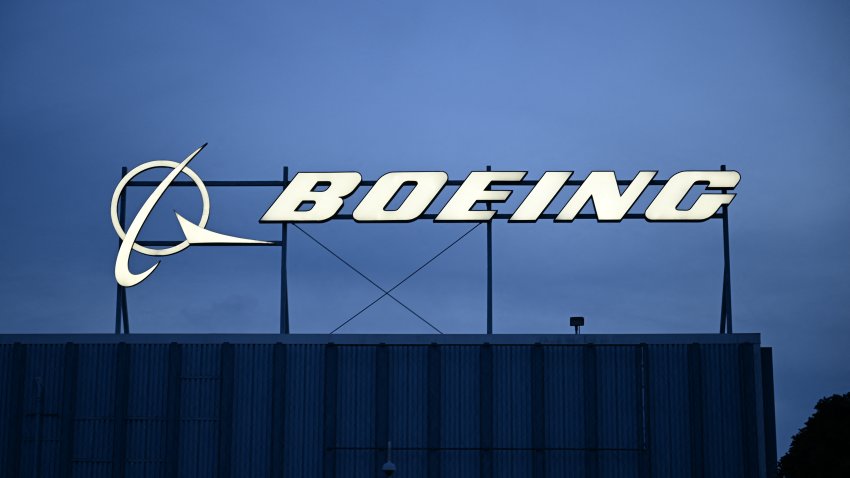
x=302, y=191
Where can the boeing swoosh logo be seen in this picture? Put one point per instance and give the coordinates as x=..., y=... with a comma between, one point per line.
x=194, y=234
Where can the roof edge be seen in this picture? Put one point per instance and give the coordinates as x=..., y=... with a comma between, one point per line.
x=390, y=339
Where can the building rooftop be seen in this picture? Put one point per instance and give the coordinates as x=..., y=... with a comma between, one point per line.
x=399, y=339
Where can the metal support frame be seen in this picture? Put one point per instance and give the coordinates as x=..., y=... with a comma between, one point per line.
x=489, y=271
x=122, y=321
x=284, y=291
x=121, y=301
x=726, y=301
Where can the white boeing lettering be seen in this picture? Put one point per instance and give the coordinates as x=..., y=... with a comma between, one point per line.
x=475, y=190
x=665, y=206
x=320, y=196
x=426, y=187
x=302, y=191
x=541, y=196
x=601, y=187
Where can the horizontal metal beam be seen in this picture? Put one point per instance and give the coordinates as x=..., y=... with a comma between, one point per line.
x=350, y=217
x=568, y=339
x=507, y=215
x=174, y=243
x=277, y=184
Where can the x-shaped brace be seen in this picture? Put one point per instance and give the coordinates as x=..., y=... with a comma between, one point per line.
x=386, y=292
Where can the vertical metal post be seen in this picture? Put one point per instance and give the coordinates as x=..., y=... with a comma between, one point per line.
x=121, y=296
x=489, y=271
x=726, y=305
x=118, y=309
x=124, y=313
x=284, y=290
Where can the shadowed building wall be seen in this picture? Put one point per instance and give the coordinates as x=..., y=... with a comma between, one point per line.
x=452, y=405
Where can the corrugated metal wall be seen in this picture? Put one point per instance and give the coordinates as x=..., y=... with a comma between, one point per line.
x=310, y=410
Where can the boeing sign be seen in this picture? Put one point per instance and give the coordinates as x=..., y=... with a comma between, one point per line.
x=313, y=197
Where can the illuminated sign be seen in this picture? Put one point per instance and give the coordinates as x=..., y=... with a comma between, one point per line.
x=320, y=196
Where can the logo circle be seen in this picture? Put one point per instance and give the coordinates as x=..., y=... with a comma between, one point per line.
x=205, y=199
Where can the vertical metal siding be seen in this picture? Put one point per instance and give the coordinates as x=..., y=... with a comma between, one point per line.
x=173, y=393
x=722, y=411
x=199, y=407
x=669, y=420
x=460, y=412
x=623, y=409
x=768, y=411
x=41, y=422
x=433, y=414
x=146, y=412
x=617, y=385
x=69, y=404
x=93, y=431
x=278, y=410
x=355, y=411
x=252, y=411
x=512, y=411
x=11, y=399
x=617, y=419
x=304, y=413
x=564, y=411
x=408, y=409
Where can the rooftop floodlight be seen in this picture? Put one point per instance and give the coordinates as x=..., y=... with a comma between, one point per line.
x=577, y=323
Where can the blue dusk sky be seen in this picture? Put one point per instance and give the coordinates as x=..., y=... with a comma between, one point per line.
x=377, y=86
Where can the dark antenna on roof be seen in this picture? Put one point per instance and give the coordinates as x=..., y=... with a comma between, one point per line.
x=389, y=466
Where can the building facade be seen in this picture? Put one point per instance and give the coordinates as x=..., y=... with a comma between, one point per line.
x=327, y=405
